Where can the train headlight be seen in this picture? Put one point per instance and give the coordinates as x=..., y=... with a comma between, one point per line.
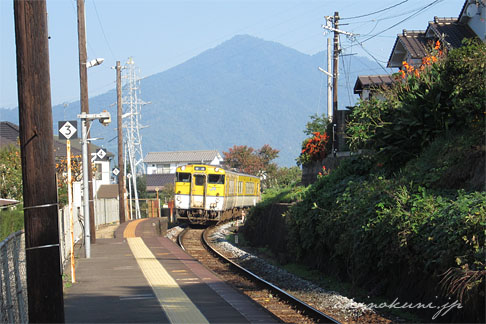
x=183, y=167
x=216, y=169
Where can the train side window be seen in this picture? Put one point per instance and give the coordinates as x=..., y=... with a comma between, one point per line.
x=216, y=178
x=200, y=179
x=183, y=177
x=250, y=188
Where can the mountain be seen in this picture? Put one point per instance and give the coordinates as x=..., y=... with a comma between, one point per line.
x=246, y=91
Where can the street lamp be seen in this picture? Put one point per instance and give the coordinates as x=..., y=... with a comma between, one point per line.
x=105, y=118
x=94, y=62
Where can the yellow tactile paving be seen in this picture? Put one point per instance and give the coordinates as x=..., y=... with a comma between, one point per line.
x=177, y=306
x=130, y=229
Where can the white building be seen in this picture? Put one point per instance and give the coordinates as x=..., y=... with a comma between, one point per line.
x=167, y=162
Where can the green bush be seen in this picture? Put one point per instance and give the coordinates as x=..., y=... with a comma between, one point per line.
x=376, y=232
x=448, y=95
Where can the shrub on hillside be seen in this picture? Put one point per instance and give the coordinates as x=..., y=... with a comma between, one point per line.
x=384, y=235
x=447, y=94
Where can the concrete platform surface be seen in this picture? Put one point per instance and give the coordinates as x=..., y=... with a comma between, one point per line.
x=141, y=277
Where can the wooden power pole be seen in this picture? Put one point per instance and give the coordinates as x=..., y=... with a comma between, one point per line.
x=44, y=281
x=121, y=175
x=83, y=81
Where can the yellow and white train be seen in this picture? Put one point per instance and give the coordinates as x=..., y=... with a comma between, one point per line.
x=208, y=193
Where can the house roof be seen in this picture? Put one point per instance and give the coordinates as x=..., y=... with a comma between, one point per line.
x=5, y=142
x=159, y=180
x=76, y=148
x=181, y=156
x=410, y=42
x=372, y=82
x=107, y=191
x=60, y=148
x=9, y=134
x=9, y=131
x=417, y=43
x=450, y=29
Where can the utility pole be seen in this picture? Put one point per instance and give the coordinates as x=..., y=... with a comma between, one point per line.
x=329, y=82
x=337, y=123
x=335, y=72
x=44, y=281
x=83, y=80
x=121, y=175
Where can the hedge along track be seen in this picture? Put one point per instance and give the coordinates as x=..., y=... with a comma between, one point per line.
x=283, y=305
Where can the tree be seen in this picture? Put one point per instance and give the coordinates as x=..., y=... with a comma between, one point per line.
x=61, y=173
x=317, y=124
x=287, y=176
x=317, y=145
x=10, y=173
x=256, y=162
x=142, y=186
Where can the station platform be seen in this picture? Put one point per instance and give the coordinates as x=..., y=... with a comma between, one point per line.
x=142, y=277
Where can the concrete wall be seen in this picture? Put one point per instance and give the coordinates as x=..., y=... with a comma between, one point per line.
x=106, y=211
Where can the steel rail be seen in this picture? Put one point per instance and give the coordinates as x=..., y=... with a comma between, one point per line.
x=306, y=309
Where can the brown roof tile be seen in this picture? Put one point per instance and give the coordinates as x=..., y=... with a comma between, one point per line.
x=107, y=191
x=372, y=82
x=159, y=181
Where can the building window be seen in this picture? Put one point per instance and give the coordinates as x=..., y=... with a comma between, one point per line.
x=98, y=171
x=163, y=168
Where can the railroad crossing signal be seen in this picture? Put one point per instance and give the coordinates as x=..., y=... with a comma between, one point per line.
x=68, y=129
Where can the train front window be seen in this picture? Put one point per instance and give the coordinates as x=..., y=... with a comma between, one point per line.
x=200, y=179
x=216, y=178
x=183, y=177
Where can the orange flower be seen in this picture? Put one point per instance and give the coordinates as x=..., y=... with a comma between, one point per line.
x=437, y=45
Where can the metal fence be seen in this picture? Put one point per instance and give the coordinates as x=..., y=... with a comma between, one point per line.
x=13, y=285
x=13, y=276
x=148, y=208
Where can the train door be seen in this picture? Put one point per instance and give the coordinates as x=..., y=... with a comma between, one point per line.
x=198, y=191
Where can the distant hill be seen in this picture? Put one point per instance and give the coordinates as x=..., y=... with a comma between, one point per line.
x=246, y=91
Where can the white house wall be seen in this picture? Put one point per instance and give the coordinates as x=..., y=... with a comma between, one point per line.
x=478, y=22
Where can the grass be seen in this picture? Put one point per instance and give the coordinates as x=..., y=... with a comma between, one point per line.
x=11, y=221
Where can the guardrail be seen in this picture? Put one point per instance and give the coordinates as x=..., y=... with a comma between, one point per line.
x=13, y=284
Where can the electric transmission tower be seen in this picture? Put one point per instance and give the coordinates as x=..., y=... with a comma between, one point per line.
x=132, y=108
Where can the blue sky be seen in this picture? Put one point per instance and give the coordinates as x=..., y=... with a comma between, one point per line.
x=160, y=34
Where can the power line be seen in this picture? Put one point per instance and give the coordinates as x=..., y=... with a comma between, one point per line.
x=403, y=20
x=372, y=56
x=103, y=30
x=375, y=12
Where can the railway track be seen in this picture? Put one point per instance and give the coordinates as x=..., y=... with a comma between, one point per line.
x=283, y=305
